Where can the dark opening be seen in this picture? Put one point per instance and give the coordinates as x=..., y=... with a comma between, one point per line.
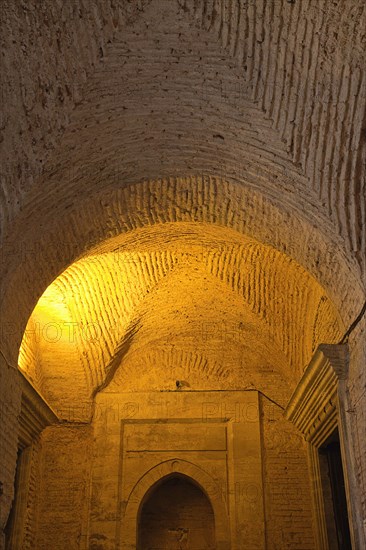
x=10, y=524
x=334, y=494
x=176, y=515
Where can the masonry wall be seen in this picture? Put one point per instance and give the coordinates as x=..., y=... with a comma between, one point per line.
x=10, y=396
x=215, y=436
x=27, y=496
x=299, y=66
x=88, y=472
x=355, y=417
x=287, y=494
x=64, y=488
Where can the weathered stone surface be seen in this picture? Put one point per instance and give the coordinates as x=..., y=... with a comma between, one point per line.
x=189, y=177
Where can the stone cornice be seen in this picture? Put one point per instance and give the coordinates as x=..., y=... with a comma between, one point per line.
x=313, y=406
x=35, y=414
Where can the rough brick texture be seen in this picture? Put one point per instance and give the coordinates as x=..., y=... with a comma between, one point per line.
x=64, y=488
x=287, y=485
x=179, y=168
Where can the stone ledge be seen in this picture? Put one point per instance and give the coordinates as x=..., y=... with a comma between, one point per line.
x=313, y=405
x=35, y=414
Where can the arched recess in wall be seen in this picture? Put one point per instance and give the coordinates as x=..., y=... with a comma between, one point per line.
x=176, y=513
x=206, y=200
x=179, y=227
x=215, y=493
x=104, y=310
x=49, y=230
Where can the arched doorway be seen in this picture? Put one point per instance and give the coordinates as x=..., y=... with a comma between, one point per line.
x=176, y=515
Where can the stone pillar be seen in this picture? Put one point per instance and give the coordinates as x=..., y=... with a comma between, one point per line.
x=319, y=405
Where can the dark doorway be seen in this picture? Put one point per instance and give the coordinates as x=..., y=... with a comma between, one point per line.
x=9, y=530
x=176, y=515
x=334, y=494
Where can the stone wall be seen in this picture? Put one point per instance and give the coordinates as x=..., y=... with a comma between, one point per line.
x=248, y=115
x=356, y=419
x=10, y=398
x=64, y=488
x=287, y=496
x=91, y=481
x=140, y=439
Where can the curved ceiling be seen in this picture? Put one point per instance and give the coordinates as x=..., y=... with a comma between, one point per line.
x=236, y=312
x=153, y=206
x=187, y=112
x=303, y=64
x=301, y=67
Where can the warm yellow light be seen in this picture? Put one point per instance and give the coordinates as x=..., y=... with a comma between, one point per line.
x=204, y=289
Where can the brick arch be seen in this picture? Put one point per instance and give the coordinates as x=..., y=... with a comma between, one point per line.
x=326, y=70
x=158, y=474
x=109, y=215
x=118, y=285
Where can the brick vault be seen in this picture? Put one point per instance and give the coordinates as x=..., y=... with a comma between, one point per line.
x=183, y=263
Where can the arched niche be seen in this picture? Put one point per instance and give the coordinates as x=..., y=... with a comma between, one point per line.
x=232, y=205
x=176, y=514
x=157, y=476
